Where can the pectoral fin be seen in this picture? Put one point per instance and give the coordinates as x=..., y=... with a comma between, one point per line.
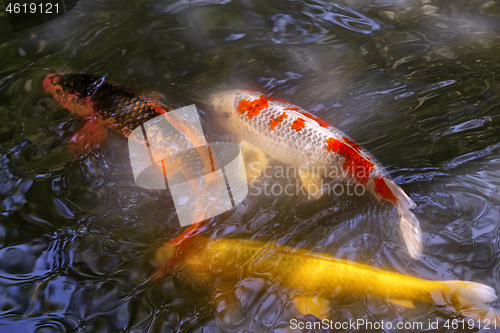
x=313, y=304
x=255, y=161
x=155, y=96
x=90, y=136
x=403, y=302
x=312, y=183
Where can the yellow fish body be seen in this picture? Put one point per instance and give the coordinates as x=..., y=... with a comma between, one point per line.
x=315, y=277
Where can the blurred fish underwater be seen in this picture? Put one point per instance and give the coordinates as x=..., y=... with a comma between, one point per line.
x=415, y=82
x=311, y=279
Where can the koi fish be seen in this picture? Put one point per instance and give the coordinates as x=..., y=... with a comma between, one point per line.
x=316, y=277
x=103, y=104
x=106, y=105
x=270, y=127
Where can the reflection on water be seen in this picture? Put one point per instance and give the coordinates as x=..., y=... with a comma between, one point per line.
x=414, y=82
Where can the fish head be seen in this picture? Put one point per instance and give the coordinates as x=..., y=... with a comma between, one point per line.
x=52, y=86
x=224, y=106
x=73, y=91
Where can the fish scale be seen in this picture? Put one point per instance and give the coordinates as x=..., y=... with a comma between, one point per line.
x=124, y=109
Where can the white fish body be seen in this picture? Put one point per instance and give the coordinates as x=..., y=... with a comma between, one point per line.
x=318, y=150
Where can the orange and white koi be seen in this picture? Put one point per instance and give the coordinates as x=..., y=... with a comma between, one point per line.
x=290, y=134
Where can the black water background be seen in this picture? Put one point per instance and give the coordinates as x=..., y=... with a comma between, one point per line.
x=414, y=82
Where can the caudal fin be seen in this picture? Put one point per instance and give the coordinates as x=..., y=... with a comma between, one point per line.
x=472, y=300
x=410, y=229
x=408, y=222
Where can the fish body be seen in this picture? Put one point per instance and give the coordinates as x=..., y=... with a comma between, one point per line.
x=305, y=273
x=318, y=150
x=111, y=105
x=105, y=105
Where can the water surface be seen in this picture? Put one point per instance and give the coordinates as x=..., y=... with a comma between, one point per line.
x=417, y=83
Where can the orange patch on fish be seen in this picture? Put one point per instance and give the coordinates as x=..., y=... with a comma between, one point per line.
x=354, y=164
x=253, y=107
x=157, y=109
x=80, y=106
x=320, y=122
x=277, y=121
x=298, y=124
x=384, y=190
x=294, y=109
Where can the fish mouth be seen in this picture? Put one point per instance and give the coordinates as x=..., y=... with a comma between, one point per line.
x=218, y=103
x=51, y=80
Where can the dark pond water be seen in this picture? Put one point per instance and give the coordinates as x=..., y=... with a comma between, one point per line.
x=417, y=83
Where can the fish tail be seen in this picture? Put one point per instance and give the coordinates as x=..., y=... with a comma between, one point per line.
x=472, y=300
x=188, y=232
x=166, y=258
x=168, y=255
x=408, y=222
x=412, y=234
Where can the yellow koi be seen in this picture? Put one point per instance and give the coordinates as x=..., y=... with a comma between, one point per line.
x=315, y=277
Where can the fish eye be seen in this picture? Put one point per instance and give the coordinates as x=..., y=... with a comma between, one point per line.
x=226, y=115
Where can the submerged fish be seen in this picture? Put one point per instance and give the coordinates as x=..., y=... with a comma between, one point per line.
x=103, y=104
x=275, y=128
x=106, y=105
x=315, y=277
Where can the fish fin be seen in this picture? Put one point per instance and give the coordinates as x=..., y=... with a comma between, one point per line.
x=165, y=253
x=155, y=96
x=156, y=101
x=313, y=304
x=471, y=299
x=255, y=161
x=184, y=235
x=401, y=196
x=168, y=255
x=408, y=222
x=412, y=234
x=312, y=183
x=403, y=302
x=90, y=136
